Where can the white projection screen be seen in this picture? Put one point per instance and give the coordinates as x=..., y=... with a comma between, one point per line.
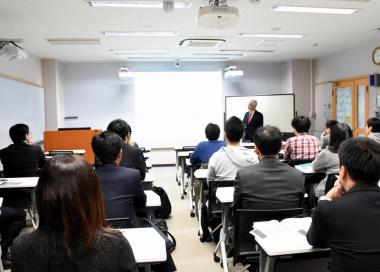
x=278, y=109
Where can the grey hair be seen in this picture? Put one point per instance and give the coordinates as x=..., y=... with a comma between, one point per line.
x=253, y=101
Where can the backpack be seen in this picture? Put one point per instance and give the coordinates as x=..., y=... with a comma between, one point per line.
x=165, y=209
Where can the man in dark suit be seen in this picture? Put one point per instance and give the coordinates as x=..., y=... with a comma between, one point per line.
x=252, y=120
x=347, y=219
x=22, y=158
x=132, y=156
x=122, y=188
x=269, y=184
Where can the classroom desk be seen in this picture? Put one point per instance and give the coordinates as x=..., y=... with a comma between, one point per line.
x=270, y=250
x=148, y=181
x=305, y=168
x=248, y=145
x=17, y=184
x=147, y=245
x=153, y=201
x=178, y=149
x=146, y=156
x=192, y=168
x=148, y=164
x=182, y=156
x=226, y=196
x=80, y=152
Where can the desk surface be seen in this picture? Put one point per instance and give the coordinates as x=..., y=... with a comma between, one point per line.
x=201, y=174
x=75, y=151
x=182, y=148
x=305, y=168
x=152, y=199
x=148, y=163
x=184, y=153
x=147, y=245
x=225, y=194
x=14, y=183
x=149, y=177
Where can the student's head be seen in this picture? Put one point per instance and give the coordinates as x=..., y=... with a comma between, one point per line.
x=329, y=124
x=212, y=132
x=359, y=159
x=372, y=126
x=268, y=140
x=121, y=128
x=301, y=124
x=252, y=104
x=70, y=204
x=338, y=134
x=234, y=129
x=19, y=133
x=107, y=147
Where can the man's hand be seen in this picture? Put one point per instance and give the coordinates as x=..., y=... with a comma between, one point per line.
x=335, y=192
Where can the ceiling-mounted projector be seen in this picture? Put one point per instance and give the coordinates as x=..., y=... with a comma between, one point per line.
x=218, y=15
x=11, y=51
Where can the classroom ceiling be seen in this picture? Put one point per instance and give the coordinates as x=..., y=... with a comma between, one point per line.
x=35, y=21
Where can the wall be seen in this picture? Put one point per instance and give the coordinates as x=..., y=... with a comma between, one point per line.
x=28, y=69
x=349, y=63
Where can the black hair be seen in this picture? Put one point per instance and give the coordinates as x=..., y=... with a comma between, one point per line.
x=234, y=129
x=120, y=127
x=338, y=134
x=374, y=123
x=18, y=133
x=268, y=140
x=348, y=129
x=361, y=158
x=212, y=132
x=301, y=124
x=106, y=146
x=331, y=123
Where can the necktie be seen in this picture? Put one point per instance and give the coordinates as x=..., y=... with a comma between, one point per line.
x=249, y=117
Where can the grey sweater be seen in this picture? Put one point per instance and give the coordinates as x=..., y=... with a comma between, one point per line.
x=375, y=137
x=112, y=253
x=327, y=162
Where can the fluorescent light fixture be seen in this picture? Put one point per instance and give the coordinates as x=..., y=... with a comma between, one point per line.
x=323, y=10
x=138, y=52
x=268, y=35
x=139, y=33
x=247, y=51
x=136, y=4
x=73, y=41
x=223, y=54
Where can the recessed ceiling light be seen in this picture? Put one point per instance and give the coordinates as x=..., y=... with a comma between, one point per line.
x=324, y=10
x=268, y=35
x=136, y=4
x=139, y=33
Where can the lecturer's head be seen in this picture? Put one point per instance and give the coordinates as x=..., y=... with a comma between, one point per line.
x=268, y=141
x=252, y=104
x=107, y=147
x=20, y=133
x=234, y=130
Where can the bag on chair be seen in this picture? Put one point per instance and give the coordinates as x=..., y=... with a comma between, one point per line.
x=165, y=209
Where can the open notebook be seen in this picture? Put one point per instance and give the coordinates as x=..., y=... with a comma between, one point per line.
x=285, y=237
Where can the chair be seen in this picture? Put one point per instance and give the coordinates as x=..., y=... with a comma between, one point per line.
x=119, y=223
x=331, y=178
x=245, y=248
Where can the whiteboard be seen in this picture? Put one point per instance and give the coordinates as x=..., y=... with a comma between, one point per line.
x=21, y=103
x=278, y=109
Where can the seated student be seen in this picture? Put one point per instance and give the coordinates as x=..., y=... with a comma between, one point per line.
x=205, y=149
x=132, y=156
x=224, y=163
x=123, y=194
x=72, y=234
x=325, y=136
x=302, y=146
x=372, y=129
x=327, y=160
x=22, y=158
x=348, y=218
x=270, y=184
x=11, y=223
x=122, y=188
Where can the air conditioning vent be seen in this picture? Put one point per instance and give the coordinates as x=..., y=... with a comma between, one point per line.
x=203, y=43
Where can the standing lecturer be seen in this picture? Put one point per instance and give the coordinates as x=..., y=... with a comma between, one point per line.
x=252, y=120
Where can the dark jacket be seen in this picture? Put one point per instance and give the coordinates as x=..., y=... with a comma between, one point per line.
x=269, y=184
x=111, y=253
x=22, y=160
x=250, y=128
x=133, y=158
x=350, y=226
x=122, y=192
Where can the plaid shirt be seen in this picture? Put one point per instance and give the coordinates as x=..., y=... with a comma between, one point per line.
x=302, y=146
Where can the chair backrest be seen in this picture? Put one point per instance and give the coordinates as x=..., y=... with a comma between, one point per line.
x=293, y=163
x=213, y=204
x=60, y=152
x=244, y=242
x=119, y=223
x=331, y=178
